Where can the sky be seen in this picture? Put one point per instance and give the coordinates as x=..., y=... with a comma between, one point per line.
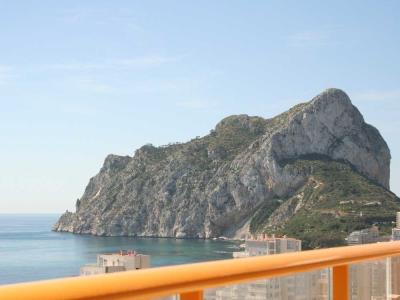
x=82, y=79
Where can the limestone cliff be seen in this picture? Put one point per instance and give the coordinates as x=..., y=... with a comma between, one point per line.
x=215, y=185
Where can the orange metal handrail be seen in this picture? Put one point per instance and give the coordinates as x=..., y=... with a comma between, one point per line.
x=189, y=280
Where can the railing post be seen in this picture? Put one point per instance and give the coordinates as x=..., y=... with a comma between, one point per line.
x=195, y=295
x=340, y=282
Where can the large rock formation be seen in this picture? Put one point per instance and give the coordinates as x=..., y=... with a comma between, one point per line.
x=215, y=185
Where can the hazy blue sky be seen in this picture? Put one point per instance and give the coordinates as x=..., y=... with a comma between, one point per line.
x=82, y=79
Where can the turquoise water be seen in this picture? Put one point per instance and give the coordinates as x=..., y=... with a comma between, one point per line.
x=29, y=250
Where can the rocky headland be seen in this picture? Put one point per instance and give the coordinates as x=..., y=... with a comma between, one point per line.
x=316, y=171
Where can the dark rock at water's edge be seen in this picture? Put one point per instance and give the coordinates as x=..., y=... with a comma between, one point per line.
x=248, y=174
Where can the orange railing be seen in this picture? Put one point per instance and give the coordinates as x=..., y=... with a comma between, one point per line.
x=190, y=280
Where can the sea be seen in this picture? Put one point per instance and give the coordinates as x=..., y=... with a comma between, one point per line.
x=30, y=251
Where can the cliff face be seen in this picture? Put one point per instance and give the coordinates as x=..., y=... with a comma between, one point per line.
x=214, y=185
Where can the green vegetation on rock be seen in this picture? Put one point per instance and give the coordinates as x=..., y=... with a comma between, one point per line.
x=233, y=134
x=262, y=214
x=334, y=201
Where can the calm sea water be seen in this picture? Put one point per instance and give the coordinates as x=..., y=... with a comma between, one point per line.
x=29, y=250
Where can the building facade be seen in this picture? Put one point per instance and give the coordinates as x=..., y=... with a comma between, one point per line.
x=364, y=236
x=396, y=230
x=116, y=262
x=312, y=285
x=369, y=280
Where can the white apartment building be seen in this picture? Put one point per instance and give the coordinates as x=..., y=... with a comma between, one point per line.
x=116, y=262
x=396, y=230
x=312, y=285
x=364, y=236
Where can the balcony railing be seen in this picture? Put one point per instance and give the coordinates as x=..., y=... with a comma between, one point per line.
x=189, y=281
